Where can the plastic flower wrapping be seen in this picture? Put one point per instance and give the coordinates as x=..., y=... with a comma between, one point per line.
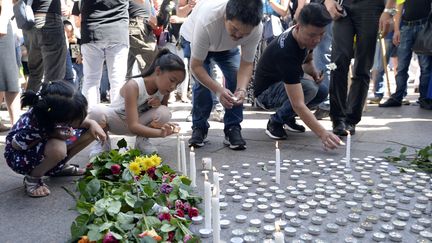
x=126, y=196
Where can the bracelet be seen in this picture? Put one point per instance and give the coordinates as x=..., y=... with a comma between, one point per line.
x=243, y=90
x=391, y=11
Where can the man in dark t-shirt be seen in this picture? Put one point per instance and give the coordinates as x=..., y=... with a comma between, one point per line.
x=286, y=59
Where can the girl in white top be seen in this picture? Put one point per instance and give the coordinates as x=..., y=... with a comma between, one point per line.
x=141, y=108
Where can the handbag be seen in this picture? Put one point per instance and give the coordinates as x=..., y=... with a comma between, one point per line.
x=24, y=14
x=272, y=27
x=423, y=43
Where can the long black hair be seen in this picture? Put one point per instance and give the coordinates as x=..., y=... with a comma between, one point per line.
x=166, y=61
x=56, y=102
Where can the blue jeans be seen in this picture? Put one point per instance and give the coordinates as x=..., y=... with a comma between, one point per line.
x=378, y=63
x=69, y=76
x=276, y=97
x=228, y=62
x=408, y=35
x=78, y=75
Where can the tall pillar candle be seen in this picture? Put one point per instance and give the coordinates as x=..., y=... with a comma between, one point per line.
x=215, y=216
x=183, y=157
x=279, y=236
x=277, y=163
x=207, y=202
x=216, y=181
x=348, y=150
x=192, y=166
x=179, y=168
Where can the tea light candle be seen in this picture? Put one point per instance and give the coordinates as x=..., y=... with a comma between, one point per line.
x=280, y=198
x=240, y=218
x=372, y=218
x=426, y=234
x=295, y=222
x=416, y=228
x=249, y=238
x=225, y=223
x=341, y=221
x=290, y=231
x=404, y=216
x=385, y=217
x=230, y=191
x=255, y=223
x=250, y=200
x=268, y=218
x=246, y=175
x=245, y=166
x=358, y=232
x=252, y=230
x=277, y=212
x=317, y=220
x=256, y=180
x=332, y=228
x=262, y=208
x=224, y=167
x=183, y=156
x=366, y=226
x=321, y=212
x=274, y=205
x=290, y=203
x=205, y=233
x=237, y=198
x=378, y=236
x=314, y=230
x=237, y=232
x=262, y=200
x=306, y=238
x=303, y=214
x=416, y=213
x=236, y=240
x=260, y=190
x=386, y=228
x=269, y=229
x=197, y=219
x=424, y=222
x=247, y=206
x=268, y=195
x=395, y=236
x=223, y=205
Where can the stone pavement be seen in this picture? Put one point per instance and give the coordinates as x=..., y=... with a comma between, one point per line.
x=24, y=219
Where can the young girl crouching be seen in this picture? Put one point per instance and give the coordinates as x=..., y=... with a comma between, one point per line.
x=141, y=108
x=45, y=138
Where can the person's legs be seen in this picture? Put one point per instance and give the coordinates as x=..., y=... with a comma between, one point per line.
x=142, y=45
x=93, y=60
x=69, y=76
x=425, y=63
x=116, y=60
x=13, y=105
x=365, y=17
x=35, y=63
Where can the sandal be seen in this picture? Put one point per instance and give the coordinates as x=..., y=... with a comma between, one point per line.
x=35, y=184
x=70, y=170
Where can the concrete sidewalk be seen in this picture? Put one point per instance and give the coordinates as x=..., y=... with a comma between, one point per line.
x=24, y=219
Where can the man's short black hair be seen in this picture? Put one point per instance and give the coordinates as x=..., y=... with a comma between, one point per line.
x=248, y=12
x=314, y=14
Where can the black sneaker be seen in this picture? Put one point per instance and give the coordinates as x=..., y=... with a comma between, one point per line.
x=321, y=113
x=198, y=138
x=275, y=130
x=292, y=126
x=233, y=138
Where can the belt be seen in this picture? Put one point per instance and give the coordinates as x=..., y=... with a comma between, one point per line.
x=138, y=18
x=414, y=22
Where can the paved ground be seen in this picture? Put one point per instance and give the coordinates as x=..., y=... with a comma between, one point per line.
x=24, y=219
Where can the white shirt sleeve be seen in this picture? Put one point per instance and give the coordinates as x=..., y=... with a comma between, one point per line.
x=6, y=14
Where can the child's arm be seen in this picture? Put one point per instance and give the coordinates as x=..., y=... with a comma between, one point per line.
x=25, y=139
x=95, y=129
x=132, y=117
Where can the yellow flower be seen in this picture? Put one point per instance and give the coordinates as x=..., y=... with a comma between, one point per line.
x=134, y=167
x=156, y=160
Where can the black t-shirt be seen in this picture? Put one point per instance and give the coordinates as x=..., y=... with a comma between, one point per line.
x=104, y=21
x=416, y=9
x=281, y=61
x=139, y=10
x=47, y=6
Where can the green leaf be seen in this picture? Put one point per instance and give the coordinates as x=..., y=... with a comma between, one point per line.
x=388, y=150
x=122, y=143
x=114, y=208
x=117, y=236
x=147, y=239
x=94, y=235
x=101, y=206
x=183, y=194
x=130, y=199
x=167, y=228
x=105, y=226
x=84, y=207
x=403, y=149
x=153, y=221
x=126, y=175
x=79, y=226
x=147, y=204
x=93, y=186
x=125, y=221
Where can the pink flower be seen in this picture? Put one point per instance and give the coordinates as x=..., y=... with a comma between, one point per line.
x=164, y=216
x=186, y=206
x=151, y=172
x=115, y=169
x=179, y=204
x=186, y=238
x=89, y=166
x=109, y=238
x=180, y=213
x=171, y=235
x=193, y=212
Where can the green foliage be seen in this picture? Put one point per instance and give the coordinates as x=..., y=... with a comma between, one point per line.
x=129, y=206
x=421, y=159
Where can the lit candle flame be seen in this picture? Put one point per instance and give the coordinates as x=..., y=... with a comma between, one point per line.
x=215, y=192
x=205, y=176
x=277, y=144
x=214, y=169
x=192, y=149
x=348, y=133
x=277, y=227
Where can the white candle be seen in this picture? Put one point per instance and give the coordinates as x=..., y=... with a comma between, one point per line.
x=216, y=181
x=183, y=157
x=192, y=166
x=207, y=202
x=178, y=154
x=215, y=216
x=279, y=236
x=277, y=163
x=348, y=150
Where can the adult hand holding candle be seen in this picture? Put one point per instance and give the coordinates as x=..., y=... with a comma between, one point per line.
x=207, y=202
x=279, y=236
x=192, y=166
x=277, y=163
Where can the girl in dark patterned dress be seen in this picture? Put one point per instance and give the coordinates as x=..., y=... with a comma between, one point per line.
x=53, y=130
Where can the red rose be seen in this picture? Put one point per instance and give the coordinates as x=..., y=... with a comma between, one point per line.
x=171, y=235
x=164, y=216
x=179, y=204
x=180, y=213
x=115, y=169
x=109, y=238
x=193, y=212
x=89, y=166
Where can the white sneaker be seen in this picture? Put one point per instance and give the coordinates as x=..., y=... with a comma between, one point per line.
x=145, y=146
x=98, y=148
x=218, y=113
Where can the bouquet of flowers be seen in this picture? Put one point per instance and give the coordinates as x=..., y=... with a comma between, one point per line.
x=125, y=196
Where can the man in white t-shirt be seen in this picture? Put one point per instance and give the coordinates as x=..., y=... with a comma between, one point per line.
x=215, y=30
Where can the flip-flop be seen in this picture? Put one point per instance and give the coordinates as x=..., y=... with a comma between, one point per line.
x=70, y=170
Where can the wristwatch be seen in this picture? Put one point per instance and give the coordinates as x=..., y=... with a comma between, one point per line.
x=391, y=11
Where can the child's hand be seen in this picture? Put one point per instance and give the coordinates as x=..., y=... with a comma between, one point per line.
x=169, y=128
x=97, y=132
x=154, y=102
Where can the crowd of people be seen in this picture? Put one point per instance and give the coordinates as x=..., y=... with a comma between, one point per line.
x=139, y=55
